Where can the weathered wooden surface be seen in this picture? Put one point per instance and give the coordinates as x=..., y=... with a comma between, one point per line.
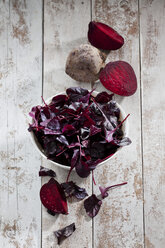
x=20, y=88
x=120, y=221
x=152, y=26
x=65, y=27
x=123, y=220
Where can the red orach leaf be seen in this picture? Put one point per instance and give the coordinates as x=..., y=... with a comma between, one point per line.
x=119, y=77
x=53, y=197
x=104, y=37
x=76, y=130
x=104, y=190
x=71, y=189
x=64, y=232
x=92, y=205
x=46, y=172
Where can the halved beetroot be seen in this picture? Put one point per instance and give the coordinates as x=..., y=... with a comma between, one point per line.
x=104, y=37
x=119, y=77
x=53, y=197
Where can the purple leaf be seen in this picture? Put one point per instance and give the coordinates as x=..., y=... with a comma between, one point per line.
x=92, y=205
x=59, y=100
x=82, y=169
x=71, y=189
x=78, y=130
x=65, y=232
x=76, y=93
x=107, y=122
x=94, y=130
x=54, y=124
x=109, y=134
x=35, y=114
x=51, y=148
x=68, y=130
x=45, y=122
x=62, y=140
x=53, y=132
x=45, y=114
x=103, y=97
x=123, y=142
x=98, y=150
x=104, y=191
x=93, y=163
x=74, y=160
x=46, y=172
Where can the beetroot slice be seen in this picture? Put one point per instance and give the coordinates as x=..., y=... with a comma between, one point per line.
x=104, y=37
x=119, y=77
x=53, y=197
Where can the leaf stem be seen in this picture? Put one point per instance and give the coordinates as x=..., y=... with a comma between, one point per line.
x=116, y=185
x=44, y=101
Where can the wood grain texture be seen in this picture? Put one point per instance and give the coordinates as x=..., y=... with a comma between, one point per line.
x=120, y=221
x=153, y=101
x=20, y=88
x=65, y=27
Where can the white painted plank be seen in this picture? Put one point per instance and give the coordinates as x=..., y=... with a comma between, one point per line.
x=120, y=221
x=152, y=24
x=65, y=27
x=20, y=88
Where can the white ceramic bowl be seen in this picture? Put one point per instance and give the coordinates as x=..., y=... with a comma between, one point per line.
x=125, y=128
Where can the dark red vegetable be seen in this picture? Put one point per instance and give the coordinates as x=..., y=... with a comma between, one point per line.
x=59, y=100
x=46, y=172
x=119, y=77
x=53, y=197
x=103, y=97
x=64, y=233
x=104, y=37
x=104, y=191
x=78, y=129
x=92, y=205
x=71, y=189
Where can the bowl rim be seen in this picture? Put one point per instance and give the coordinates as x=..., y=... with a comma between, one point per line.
x=39, y=149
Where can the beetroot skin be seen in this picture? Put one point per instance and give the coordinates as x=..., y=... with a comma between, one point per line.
x=104, y=37
x=119, y=77
x=53, y=197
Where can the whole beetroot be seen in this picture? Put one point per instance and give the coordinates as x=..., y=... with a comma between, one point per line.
x=119, y=77
x=84, y=63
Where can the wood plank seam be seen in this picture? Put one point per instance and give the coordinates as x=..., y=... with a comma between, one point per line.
x=42, y=89
x=92, y=86
x=141, y=109
x=61, y=34
x=123, y=15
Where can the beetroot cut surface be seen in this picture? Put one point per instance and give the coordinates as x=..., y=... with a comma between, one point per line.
x=53, y=197
x=119, y=77
x=104, y=37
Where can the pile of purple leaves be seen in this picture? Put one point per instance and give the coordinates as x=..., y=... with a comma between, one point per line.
x=79, y=130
